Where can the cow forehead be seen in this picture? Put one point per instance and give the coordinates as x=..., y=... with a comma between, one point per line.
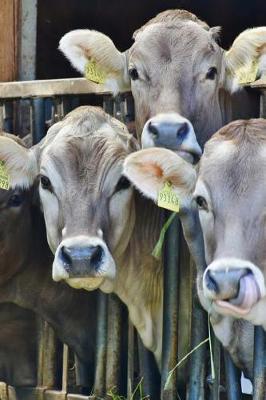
x=173, y=42
x=234, y=170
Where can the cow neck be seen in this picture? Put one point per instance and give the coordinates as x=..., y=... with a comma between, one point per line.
x=60, y=305
x=139, y=281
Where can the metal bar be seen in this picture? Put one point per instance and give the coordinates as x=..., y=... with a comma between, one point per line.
x=2, y=105
x=232, y=374
x=38, y=128
x=108, y=105
x=101, y=345
x=49, y=88
x=149, y=372
x=196, y=389
x=130, y=359
x=65, y=368
x=259, y=366
x=263, y=103
x=170, y=310
x=113, y=365
x=215, y=383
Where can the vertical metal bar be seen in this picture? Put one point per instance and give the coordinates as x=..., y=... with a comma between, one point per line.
x=113, y=365
x=170, y=310
x=259, y=366
x=196, y=389
x=58, y=108
x=263, y=104
x=101, y=345
x=232, y=374
x=38, y=128
x=215, y=384
x=108, y=105
x=2, y=105
x=65, y=368
x=149, y=372
x=130, y=359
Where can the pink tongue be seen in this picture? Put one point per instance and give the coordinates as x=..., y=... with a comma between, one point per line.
x=248, y=295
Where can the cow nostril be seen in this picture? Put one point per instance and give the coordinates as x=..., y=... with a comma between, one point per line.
x=211, y=283
x=66, y=257
x=182, y=131
x=153, y=130
x=96, y=256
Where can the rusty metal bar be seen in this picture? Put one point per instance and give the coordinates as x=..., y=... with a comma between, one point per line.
x=215, y=383
x=197, y=369
x=101, y=352
x=259, y=366
x=232, y=374
x=170, y=310
x=113, y=365
x=130, y=359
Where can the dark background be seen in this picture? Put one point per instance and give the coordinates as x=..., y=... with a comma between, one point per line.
x=119, y=19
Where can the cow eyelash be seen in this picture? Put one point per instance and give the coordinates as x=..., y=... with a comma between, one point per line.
x=45, y=183
x=122, y=184
x=133, y=73
x=211, y=74
x=201, y=203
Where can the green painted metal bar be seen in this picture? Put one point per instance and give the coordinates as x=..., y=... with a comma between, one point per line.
x=214, y=383
x=232, y=374
x=259, y=367
x=170, y=310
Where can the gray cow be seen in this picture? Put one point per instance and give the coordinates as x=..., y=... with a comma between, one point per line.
x=174, y=68
x=100, y=230
x=226, y=192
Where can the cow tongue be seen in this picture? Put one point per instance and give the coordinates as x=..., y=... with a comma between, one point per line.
x=186, y=156
x=248, y=295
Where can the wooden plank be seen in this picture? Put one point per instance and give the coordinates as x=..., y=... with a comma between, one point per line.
x=49, y=88
x=260, y=83
x=9, y=22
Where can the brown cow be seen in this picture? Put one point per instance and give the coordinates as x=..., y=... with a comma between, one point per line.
x=18, y=346
x=25, y=272
x=174, y=66
x=228, y=195
x=101, y=232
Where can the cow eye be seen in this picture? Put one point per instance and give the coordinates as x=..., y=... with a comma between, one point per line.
x=45, y=182
x=133, y=73
x=201, y=203
x=122, y=184
x=211, y=74
x=15, y=200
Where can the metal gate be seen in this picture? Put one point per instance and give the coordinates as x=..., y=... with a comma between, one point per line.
x=28, y=106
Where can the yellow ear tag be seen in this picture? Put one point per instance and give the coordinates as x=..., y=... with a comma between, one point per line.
x=94, y=73
x=4, y=178
x=248, y=73
x=167, y=198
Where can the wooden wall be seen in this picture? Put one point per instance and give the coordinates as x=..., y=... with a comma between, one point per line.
x=9, y=34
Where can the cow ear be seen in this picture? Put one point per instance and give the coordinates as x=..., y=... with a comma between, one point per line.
x=18, y=166
x=243, y=60
x=94, y=54
x=149, y=169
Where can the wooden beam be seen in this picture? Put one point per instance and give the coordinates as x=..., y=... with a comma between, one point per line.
x=9, y=32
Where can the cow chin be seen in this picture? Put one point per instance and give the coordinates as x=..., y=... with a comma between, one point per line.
x=85, y=283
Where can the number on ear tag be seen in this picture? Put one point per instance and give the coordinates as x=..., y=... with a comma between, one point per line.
x=94, y=73
x=4, y=178
x=167, y=198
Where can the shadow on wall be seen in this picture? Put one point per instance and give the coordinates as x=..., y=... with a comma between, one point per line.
x=119, y=18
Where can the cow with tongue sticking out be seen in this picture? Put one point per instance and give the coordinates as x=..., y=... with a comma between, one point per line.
x=226, y=197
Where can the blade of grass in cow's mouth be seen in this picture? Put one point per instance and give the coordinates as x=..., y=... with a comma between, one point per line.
x=248, y=295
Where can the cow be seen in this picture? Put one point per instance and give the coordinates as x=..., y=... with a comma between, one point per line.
x=25, y=272
x=18, y=346
x=226, y=197
x=174, y=68
x=100, y=230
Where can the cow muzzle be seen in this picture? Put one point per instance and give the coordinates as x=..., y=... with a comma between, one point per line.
x=84, y=262
x=234, y=288
x=173, y=132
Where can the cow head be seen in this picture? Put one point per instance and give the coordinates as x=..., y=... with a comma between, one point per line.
x=15, y=222
x=174, y=66
x=232, y=207
x=88, y=205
